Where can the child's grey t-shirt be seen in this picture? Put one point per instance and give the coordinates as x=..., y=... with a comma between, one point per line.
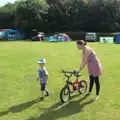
x=42, y=72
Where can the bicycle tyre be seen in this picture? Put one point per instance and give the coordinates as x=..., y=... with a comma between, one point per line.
x=63, y=91
x=80, y=86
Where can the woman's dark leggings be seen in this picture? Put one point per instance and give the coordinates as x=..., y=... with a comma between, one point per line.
x=96, y=80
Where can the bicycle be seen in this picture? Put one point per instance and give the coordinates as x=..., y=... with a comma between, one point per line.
x=81, y=85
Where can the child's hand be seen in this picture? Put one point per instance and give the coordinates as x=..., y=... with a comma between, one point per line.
x=37, y=79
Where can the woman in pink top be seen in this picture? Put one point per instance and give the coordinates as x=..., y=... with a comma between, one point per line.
x=94, y=66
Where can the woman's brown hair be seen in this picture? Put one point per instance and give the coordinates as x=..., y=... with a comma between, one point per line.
x=81, y=42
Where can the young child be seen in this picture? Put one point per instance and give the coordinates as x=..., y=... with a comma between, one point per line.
x=43, y=77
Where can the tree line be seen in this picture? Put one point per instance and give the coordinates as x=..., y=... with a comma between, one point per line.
x=62, y=15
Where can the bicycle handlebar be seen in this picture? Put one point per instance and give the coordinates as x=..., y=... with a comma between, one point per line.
x=63, y=71
x=70, y=72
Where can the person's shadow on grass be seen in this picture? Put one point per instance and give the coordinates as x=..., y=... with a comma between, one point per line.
x=72, y=107
x=23, y=106
x=54, y=112
x=20, y=107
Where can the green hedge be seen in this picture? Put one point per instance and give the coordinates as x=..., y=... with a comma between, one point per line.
x=81, y=35
x=100, y=34
x=76, y=35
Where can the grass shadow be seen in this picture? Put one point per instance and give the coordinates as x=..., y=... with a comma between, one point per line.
x=59, y=110
x=50, y=112
x=23, y=106
x=20, y=107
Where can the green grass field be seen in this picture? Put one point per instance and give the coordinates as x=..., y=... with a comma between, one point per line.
x=19, y=90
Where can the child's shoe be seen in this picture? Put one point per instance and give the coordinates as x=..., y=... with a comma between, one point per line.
x=47, y=94
x=41, y=99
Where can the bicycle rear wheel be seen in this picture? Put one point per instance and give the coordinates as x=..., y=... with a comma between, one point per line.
x=82, y=86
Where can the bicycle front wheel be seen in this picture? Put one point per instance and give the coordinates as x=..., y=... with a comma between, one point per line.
x=65, y=94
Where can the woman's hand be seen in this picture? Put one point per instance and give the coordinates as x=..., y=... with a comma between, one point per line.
x=47, y=82
x=77, y=71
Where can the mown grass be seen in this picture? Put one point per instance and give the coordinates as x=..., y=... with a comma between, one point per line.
x=19, y=90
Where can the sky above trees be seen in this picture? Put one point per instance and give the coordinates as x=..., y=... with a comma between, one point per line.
x=3, y=2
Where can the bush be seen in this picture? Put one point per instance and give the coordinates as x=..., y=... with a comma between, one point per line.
x=76, y=35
